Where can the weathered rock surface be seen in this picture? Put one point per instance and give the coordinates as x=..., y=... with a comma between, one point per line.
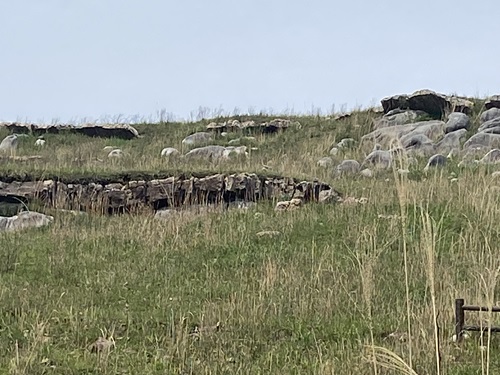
x=272, y=126
x=490, y=114
x=437, y=160
x=169, y=152
x=397, y=117
x=123, y=131
x=492, y=157
x=457, y=121
x=9, y=144
x=493, y=102
x=435, y=104
x=24, y=220
x=125, y=194
x=197, y=139
x=347, y=167
x=434, y=130
x=483, y=140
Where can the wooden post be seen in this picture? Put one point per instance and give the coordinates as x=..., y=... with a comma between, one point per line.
x=459, y=318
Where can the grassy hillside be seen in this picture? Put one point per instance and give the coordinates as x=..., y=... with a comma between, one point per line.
x=205, y=294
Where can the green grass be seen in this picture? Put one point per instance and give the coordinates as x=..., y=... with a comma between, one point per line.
x=314, y=300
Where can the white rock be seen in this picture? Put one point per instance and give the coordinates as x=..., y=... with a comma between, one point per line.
x=9, y=143
x=325, y=162
x=334, y=151
x=169, y=151
x=40, y=142
x=24, y=220
x=366, y=173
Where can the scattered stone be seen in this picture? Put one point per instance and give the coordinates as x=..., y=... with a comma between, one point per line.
x=353, y=200
x=379, y=159
x=268, y=233
x=24, y=220
x=329, y=196
x=366, y=173
x=334, y=151
x=288, y=205
x=403, y=171
x=210, y=153
x=169, y=152
x=346, y=143
x=451, y=141
x=9, y=143
x=108, y=148
x=495, y=174
x=197, y=139
x=347, y=167
x=325, y=162
x=40, y=142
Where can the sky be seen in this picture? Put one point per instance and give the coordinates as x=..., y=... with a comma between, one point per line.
x=112, y=60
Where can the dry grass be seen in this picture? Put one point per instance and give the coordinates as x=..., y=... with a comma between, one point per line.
x=205, y=294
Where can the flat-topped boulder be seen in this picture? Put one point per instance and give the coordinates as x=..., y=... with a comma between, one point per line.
x=123, y=131
x=272, y=126
x=435, y=104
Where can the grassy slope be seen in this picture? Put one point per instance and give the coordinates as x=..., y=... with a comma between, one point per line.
x=291, y=304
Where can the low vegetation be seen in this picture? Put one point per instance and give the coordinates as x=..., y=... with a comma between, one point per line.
x=333, y=289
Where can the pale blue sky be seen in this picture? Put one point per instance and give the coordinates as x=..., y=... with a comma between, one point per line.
x=71, y=59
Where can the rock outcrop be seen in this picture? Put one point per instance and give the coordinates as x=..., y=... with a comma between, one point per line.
x=123, y=194
x=272, y=126
x=435, y=104
x=24, y=220
x=123, y=131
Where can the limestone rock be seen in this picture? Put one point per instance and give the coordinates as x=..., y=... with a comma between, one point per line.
x=169, y=152
x=211, y=153
x=437, y=160
x=325, y=162
x=347, y=167
x=116, y=153
x=490, y=114
x=288, y=205
x=24, y=220
x=483, y=140
x=492, y=157
x=329, y=196
x=197, y=139
x=457, y=121
x=493, y=102
x=366, y=173
x=9, y=144
x=397, y=117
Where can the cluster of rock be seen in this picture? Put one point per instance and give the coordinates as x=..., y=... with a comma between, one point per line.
x=400, y=134
x=434, y=104
x=161, y=193
x=123, y=131
x=272, y=126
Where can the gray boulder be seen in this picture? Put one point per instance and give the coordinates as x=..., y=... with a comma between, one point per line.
x=197, y=139
x=9, y=143
x=211, y=153
x=385, y=136
x=490, y=124
x=347, y=167
x=346, y=143
x=169, y=152
x=483, y=140
x=325, y=162
x=24, y=220
x=379, y=159
x=493, y=102
x=490, y=114
x=437, y=160
x=492, y=157
x=451, y=141
x=456, y=121
x=397, y=117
